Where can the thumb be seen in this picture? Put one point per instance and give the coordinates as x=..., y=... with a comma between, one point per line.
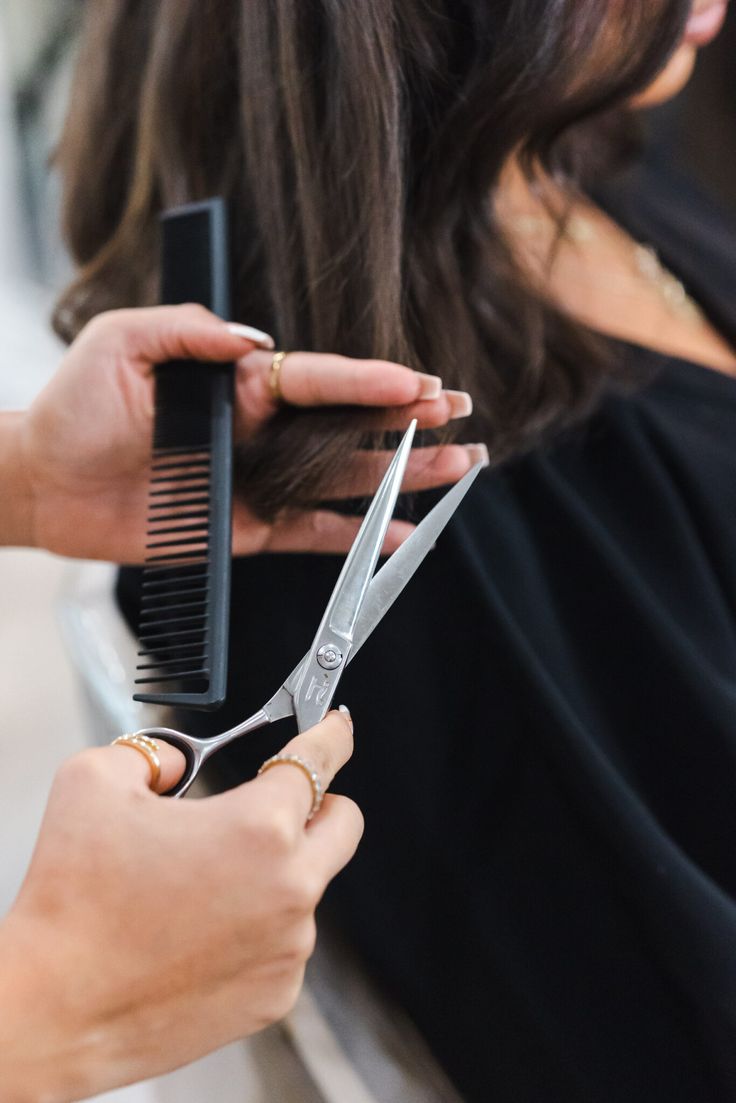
x=153, y=335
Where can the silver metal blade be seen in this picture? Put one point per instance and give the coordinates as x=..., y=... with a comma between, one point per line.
x=393, y=576
x=357, y=572
x=332, y=644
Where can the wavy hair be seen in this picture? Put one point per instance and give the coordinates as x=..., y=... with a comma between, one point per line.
x=360, y=143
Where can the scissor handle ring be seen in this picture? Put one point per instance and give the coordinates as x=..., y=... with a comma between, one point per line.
x=190, y=752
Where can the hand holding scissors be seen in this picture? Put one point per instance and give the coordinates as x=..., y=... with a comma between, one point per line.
x=356, y=606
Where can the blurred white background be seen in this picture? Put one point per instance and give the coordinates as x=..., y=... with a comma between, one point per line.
x=39, y=691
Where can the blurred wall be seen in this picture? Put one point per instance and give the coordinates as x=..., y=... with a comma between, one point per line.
x=38, y=41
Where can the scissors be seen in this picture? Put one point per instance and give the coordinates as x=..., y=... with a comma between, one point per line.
x=356, y=606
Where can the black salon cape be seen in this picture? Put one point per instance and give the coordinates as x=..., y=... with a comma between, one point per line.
x=546, y=739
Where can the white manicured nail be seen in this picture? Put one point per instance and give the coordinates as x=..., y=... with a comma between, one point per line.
x=257, y=336
x=478, y=454
x=430, y=386
x=346, y=713
x=461, y=404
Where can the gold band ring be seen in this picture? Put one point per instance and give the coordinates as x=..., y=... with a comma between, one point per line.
x=274, y=375
x=148, y=749
x=318, y=793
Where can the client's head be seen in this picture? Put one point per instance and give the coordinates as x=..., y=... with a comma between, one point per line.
x=359, y=144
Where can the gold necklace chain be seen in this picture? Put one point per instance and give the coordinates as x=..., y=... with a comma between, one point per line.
x=648, y=268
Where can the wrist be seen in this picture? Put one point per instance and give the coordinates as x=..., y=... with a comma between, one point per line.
x=43, y=1051
x=17, y=524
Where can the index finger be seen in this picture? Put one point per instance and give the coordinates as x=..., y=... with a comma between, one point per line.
x=326, y=379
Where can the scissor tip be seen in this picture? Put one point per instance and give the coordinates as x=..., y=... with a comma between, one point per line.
x=408, y=437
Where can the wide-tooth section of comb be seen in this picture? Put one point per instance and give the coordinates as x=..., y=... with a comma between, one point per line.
x=175, y=591
x=184, y=612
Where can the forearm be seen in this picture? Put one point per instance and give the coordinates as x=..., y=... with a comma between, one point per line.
x=16, y=514
x=42, y=1052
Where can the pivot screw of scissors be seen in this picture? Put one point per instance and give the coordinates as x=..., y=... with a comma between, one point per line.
x=329, y=656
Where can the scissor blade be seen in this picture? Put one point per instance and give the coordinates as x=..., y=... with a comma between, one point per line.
x=357, y=572
x=332, y=643
x=393, y=576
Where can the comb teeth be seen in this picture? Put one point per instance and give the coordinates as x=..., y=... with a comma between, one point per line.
x=173, y=619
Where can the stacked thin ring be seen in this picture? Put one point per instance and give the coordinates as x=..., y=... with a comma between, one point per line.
x=148, y=749
x=274, y=375
x=318, y=793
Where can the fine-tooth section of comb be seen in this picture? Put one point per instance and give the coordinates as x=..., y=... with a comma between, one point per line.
x=184, y=614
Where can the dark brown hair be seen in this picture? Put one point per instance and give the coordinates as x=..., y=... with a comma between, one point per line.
x=359, y=142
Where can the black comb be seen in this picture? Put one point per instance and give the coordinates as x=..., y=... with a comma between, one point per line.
x=185, y=602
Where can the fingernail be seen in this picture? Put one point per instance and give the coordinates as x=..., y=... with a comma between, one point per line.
x=430, y=386
x=346, y=713
x=251, y=334
x=478, y=454
x=461, y=404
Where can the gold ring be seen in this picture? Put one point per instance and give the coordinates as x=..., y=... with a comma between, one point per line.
x=274, y=375
x=148, y=749
x=318, y=793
